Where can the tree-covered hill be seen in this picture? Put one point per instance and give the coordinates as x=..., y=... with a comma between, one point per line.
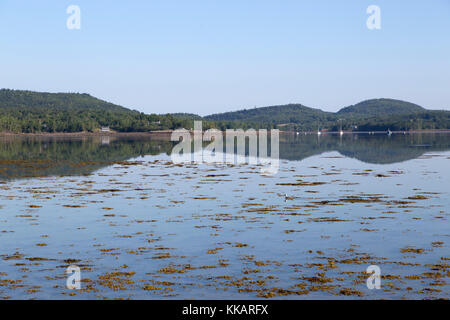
x=370, y=115
x=36, y=112
x=29, y=100
x=281, y=116
x=384, y=114
x=275, y=114
x=186, y=116
x=381, y=107
x=32, y=112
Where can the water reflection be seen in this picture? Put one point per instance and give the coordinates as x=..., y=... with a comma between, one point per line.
x=56, y=156
x=376, y=149
x=22, y=157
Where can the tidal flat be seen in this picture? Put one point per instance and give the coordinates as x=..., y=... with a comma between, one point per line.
x=142, y=227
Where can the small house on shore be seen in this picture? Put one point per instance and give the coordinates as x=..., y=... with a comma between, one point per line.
x=105, y=129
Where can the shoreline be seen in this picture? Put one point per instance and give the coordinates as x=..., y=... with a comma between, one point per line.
x=169, y=132
x=85, y=134
x=373, y=132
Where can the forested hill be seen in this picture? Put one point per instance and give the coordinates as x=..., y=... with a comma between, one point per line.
x=284, y=114
x=32, y=112
x=297, y=113
x=36, y=112
x=369, y=115
x=381, y=107
x=30, y=101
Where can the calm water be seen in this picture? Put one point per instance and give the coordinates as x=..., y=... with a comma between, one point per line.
x=142, y=227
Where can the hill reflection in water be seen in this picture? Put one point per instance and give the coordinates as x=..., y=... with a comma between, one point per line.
x=24, y=157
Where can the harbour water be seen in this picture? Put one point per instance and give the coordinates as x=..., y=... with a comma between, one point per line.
x=142, y=227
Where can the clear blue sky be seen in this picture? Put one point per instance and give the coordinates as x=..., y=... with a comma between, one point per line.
x=214, y=56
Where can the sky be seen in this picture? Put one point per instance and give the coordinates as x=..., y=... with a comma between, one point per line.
x=206, y=56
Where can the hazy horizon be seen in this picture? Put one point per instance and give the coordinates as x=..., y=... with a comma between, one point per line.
x=204, y=58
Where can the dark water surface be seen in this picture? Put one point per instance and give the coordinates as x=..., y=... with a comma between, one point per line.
x=140, y=226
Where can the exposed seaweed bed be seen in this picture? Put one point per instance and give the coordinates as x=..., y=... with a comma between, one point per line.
x=147, y=229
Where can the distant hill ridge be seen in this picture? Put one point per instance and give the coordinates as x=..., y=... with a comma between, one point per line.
x=28, y=112
x=279, y=114
x=58, y=101
x=33, y=112
x=382, y=107
x=373, y=107
x=368, y=115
